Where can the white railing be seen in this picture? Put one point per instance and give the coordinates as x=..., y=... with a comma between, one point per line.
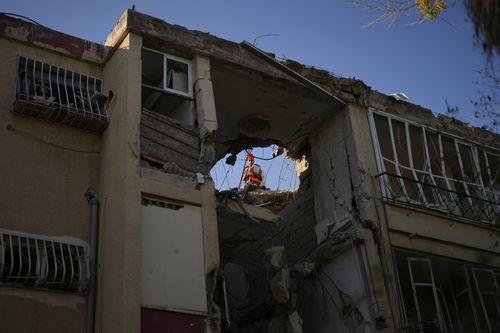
x=57, y=94
x=43, y=262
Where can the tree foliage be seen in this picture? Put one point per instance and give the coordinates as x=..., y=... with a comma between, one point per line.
x=485, y=16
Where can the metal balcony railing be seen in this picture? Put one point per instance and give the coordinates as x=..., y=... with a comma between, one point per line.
x=43, y=262
x=60, y=95
x=480, y=209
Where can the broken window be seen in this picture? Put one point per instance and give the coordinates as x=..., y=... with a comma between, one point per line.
x=443, y=295
x=60, y=95
x=423, y=167
x=167, y=86
x=43, y=262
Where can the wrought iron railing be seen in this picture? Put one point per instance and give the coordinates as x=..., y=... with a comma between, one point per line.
x=43, y=262
x=60, y=95
x=408, y=191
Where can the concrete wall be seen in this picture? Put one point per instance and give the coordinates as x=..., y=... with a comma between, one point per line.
x=331, y=178
x=337, y=298
x=421, y=231
x=119, y=262
x=46, y=170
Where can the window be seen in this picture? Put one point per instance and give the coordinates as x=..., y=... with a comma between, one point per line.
x=423, y=167
x=60, y=95
x=167, y=86
x=43, y=262
x=444, y=295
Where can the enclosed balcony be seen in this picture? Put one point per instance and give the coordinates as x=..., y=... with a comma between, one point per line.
x=59, y=95
x=426, y=169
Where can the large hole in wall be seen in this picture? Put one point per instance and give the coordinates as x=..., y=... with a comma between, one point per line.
x=279, y=171
x=278, y=215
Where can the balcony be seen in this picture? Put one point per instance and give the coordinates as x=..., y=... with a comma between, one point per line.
x=29, y=260
x=59, y=95
x=479, y=208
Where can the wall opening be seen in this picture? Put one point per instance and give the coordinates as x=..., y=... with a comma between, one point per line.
x=167, y=86
x=279, y=171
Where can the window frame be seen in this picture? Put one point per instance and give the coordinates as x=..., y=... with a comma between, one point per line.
x=166, y=57
x=487, y=192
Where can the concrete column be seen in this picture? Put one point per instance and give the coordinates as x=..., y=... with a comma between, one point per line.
x=331, y=178
x=119, y=297
x=205, y=108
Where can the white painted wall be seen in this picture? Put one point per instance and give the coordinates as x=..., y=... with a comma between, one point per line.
x=173, y=268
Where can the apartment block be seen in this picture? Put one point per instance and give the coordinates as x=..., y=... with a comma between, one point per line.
x=110, y=221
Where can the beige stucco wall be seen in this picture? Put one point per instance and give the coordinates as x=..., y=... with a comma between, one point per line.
x=427, y=232
x=118, y=305
x=46, y=170
x=122, y=183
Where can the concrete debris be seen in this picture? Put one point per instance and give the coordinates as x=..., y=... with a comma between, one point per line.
x=323, y=230
x=294, y=323
x=303, y=269
x=274, y=201
x=280, y=284
x=277, y=256
x=173, y=168
x=280, y=281
x=200, y=178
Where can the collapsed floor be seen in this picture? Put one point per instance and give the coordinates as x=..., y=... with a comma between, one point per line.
x=258, y=239
x=271, y=263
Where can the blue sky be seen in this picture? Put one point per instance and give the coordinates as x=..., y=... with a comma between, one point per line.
x=430, y=62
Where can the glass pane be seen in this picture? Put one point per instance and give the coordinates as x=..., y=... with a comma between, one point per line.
x=420, y=270
x=410, y=185
x=434, y=156
x=394, y=184
x=490, y=304
x=494, y=164
x=152, y=68
x=485, y=281
x=417, y=148
x=468, y=163
x=465, y=313
x=384, y=139
x=399, y=132
x=452, y=166
x=484, y=170
x=430, y=192
x=177, y=75
x=427, y=306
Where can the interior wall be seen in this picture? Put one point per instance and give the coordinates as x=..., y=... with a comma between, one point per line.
x=335, y=298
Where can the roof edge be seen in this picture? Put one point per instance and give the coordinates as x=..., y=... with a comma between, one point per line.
x=51, y=40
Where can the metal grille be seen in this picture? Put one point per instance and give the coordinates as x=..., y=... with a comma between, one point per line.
x=60, y=95
x=43, y=262
x=412, y=192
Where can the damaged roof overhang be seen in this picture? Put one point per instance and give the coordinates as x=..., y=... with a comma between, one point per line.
x=256, y=108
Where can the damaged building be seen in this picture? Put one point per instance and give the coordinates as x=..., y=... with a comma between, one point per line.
x=110, y=221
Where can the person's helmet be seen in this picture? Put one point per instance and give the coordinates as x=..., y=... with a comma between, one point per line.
x=250, y=157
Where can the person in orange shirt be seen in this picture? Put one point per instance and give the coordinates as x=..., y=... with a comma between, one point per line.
x=252, y=175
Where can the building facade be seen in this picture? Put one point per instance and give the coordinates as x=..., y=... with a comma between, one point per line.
x=110, y=221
